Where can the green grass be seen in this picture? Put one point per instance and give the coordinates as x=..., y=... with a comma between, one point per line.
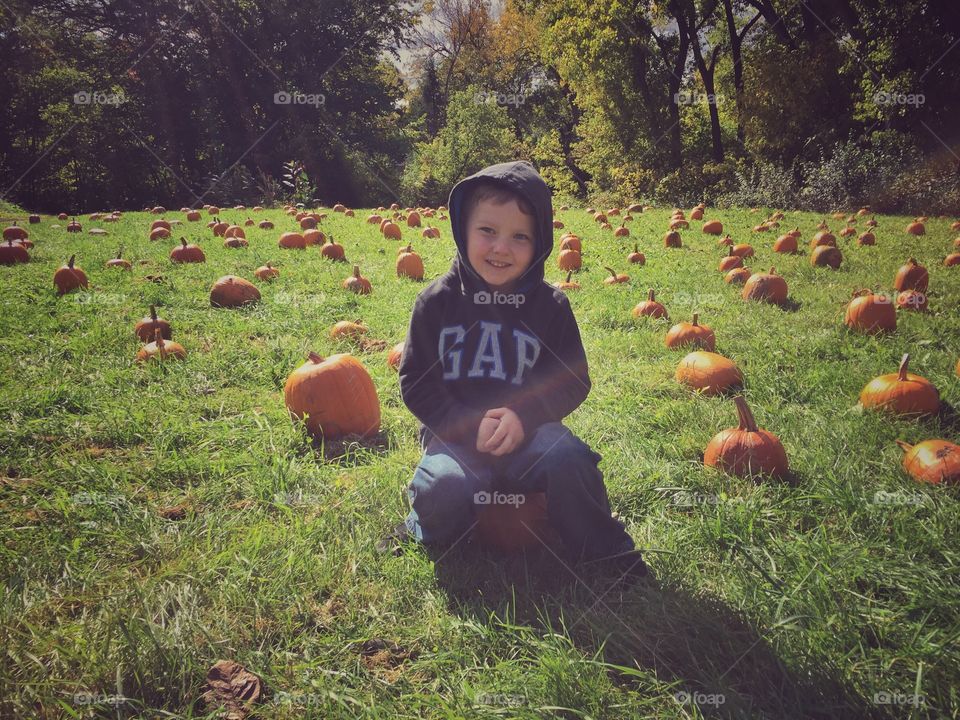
x=791, y=599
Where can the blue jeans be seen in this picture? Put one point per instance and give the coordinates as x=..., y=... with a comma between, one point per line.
x=554, y=461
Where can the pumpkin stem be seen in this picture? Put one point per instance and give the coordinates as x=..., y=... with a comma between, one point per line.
x=636, y=248
x=912, y=261
x=153, y=313
x=650, y=297
x=773, y=271
x=356, y=271
x=747, y=421
x=610, y=270
x=905, y=446
x=569, y=275
x=902, y=372
x=696, y=317
x=183, y=241
x=314, y=357
x=70, y=261
x=120, y=252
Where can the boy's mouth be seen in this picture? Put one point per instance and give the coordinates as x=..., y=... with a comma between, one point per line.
x=498, y=264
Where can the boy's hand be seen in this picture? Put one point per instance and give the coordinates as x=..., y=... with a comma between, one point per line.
x=487, y=427
x=508, y=434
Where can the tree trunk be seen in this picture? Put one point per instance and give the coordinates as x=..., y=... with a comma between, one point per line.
x=737, y=58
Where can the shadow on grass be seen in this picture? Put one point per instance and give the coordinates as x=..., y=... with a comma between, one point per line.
x=690, y=639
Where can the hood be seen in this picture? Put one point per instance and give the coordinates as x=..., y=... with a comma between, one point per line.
x=521, y=177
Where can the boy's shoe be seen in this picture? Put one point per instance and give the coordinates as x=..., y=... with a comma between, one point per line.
x=395, y=540
x=628, y=566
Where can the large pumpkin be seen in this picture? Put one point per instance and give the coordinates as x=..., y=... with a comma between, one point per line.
x=511, y=527
x=292, y=241
x=901, y=392
x=232, y=291
x=932, y=461
x=12, y=253
x=912, y=276
x=409, y=264
x=746, y=449
x=333, y=250
x=333, y=396
x=187, y=253
x=691, y=333
x=708, y=372
x=871, y=312
x=650, y=307
x=767, y=287
x=149, y=326
x=69, y=277
x=569, y=259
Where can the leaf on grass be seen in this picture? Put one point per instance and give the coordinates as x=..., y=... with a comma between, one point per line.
x=232, y=687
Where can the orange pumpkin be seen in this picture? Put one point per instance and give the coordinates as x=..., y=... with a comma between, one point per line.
x=951, y=260
x=69, y=278
x=826, y=256
x=12, y=253
x=567, y=284
x=713, y=227
x=148, y=328
x=766, y=287
x=571, y=242
x=395, y=356
x=708, y=372
x=730, y=261
x=333, y=251
x=161, y=349
x=691, y=333
x=932, y=461
x=622, y=231
x=413, y=219
x=410, y=264
x=14, y=232
x=615, y=278
x=650, y=307
x=347, y=329
x=737, y=276
x=824, y=238
x=391, y=231
x=569, y=259
x=232, y=291
x=901, y=392
x=184, y=253
x=333, y=396
x=867, y=238
x=746, y=450
x=357, y=283
x=786, y=244
x=916, y=228
x=912, y=276
x=912, y=300
x=292, y=241
x=871, y=312
x=636, y=256
x=119, y=262
x=266, y=272
x=512, y=527
x=672, y=240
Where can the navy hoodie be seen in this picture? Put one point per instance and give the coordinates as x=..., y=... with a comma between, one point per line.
x=469, y=350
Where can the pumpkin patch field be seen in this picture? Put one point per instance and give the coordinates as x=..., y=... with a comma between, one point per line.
x=203, y=439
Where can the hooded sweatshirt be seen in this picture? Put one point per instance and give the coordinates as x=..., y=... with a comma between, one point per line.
x=470, y=349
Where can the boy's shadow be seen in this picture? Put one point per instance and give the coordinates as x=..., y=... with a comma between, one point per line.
x=694, y=641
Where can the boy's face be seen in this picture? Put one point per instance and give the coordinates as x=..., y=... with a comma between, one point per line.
x=500, y=242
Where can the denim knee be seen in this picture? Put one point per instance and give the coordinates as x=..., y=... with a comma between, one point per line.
x=441, y=497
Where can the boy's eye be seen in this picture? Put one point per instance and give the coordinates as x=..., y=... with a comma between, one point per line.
x=486, y=230
x=521, y=237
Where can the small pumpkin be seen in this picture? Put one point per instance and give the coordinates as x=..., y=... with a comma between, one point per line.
x=691, y=333
x=672, y=240
x=156, y=224
x=187, y=253
x=786, y=244
x=737, y=276
x=34, y=219
x=333, y=396
x=570, y=241
x=871, y=312
x=119, y=262
x=391, y=231
x=650, y=307
x=161, y=349
x=235, y=242
x=193, y=216
x=14, y=232
x=149, y=326
x=567, y=284
x=766, y=287
x=431, y=232
x=74, y=227
x=951, y=260
x=747, y=449
x=866, y=238
x=713, y=227
x=332, y=250
x=730, y=261
x=314, y=237
x=511, y=528
x=347, y=329
x=743, y=250
x=409, y=264
x=265, y=225
x=395, y=355
x=912, y=300
x=357, y=283
x=231, y=291
x=912, y=276
x=266, y=272
x=708, y=372
x=932, y=461
x=636, y=257
x=413, y=219
x=615, y=278
x=901, y=392
x=308, y=222
x=916, y=228
x=622, y=231
x=824, y=238
x=235, y=231
x=826, y=256
x=68, y=277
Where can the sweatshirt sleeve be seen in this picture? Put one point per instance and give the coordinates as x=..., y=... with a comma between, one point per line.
x=560, y=381
x=422, y=386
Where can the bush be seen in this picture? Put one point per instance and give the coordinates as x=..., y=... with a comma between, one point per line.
x=762, y=184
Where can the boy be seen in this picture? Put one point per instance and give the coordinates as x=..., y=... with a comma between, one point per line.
x=492, y=363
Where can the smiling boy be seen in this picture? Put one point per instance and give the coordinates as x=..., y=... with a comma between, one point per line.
x=492, y=364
